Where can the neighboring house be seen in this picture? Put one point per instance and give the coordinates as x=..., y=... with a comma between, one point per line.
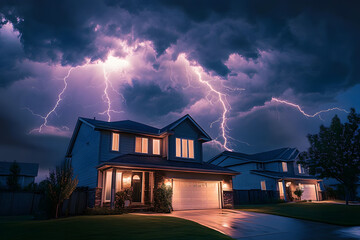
x=275, y=170
x=28, y=172
x=111, y=156
x=333, y=183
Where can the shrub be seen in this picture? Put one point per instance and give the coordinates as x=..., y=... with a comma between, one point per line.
x=163, y=199
x=12, y=180
x=298, y=192
x=121, y=197
x=102, y=211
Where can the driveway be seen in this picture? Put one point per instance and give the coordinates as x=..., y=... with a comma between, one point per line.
x=258, y=226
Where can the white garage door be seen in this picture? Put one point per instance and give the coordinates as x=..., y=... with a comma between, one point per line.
x=309, y=192
x=195, y=194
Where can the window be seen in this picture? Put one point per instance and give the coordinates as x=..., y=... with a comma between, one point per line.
x=284, y=167
x=118, y=181
x=301, y=169
x=156, y=146
x=108, y=177
x=141, y=145
x=281, y=189
x=263, y=185
x=115, y=141
x=184, y=148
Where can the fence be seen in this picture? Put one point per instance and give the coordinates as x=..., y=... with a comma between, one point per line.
x=255, y=196
x=28, y=203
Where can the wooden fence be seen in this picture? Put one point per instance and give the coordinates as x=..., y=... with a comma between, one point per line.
x=29, y=203
x=255, y=196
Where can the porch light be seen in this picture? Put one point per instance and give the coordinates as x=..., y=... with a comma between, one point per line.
x=288, y=184
x=225, y=185
x=167, y=182
x=126, y=180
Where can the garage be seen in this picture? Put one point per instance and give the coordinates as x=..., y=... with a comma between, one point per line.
x=309, y=192
x=194, y=194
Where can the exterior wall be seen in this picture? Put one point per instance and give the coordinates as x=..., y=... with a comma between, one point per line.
x=247, y=180
x=127, y=145
x=188, y=131
x=273, y=166
x=85, y=156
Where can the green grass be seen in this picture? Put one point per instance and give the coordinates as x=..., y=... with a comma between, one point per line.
x=337, y=214
x=126, y=226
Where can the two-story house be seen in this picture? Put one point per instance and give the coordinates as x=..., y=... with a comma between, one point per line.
x=111, y=156
x=276, y=170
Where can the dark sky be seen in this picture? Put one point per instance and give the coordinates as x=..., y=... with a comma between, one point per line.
x=155, y=61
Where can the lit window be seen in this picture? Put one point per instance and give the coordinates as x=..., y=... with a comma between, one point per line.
x=284, y=167
x=263, y=185
x=281, y=189
x=118, y=181
x=156, y=146
x=115, y=141
x=184, y=148
x=108, y=177
x=141, y=145
x=178, y=147
x=301, y=170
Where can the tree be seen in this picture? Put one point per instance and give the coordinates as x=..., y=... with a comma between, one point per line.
x=298, y=192
x=335, y=153
x=60, y=185
x=12, y=180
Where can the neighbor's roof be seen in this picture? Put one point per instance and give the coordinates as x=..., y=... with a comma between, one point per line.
x=282, y=175
x=159, y=163
x=133, y=127
x=226, y=158
x=26, y=169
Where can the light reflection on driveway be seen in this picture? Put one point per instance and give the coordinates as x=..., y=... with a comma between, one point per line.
x=258, y=226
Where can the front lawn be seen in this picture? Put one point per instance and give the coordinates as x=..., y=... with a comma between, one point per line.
x=321, y=212
x=125, y=226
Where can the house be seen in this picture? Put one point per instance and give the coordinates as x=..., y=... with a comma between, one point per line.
x=275, y=170
x=28, y=172
x=111, y=156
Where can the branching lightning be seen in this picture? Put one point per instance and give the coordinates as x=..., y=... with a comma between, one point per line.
x=53, y=110
x=303, y=112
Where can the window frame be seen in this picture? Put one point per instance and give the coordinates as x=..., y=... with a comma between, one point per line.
x=153, y=140
x=112, y=142
x=263, y=187
x=187, y=140
x=141, y=145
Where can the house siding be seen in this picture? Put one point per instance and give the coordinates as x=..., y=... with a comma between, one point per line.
x=85, y=156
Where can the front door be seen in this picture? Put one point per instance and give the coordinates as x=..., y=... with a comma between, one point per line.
x=137, y=187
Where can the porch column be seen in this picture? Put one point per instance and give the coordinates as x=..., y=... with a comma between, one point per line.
x=113, y=182
x=284, y=189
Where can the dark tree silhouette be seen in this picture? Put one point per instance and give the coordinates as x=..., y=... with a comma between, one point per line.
x=60, y=185
x=12, y=180
x=335, y=153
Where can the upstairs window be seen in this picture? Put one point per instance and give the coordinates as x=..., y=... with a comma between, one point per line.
x=141, y=145
x=156, y=146
x=301, y=169
x=115, y=142
x=284, y=166
x=263, y=185
x=184, y=148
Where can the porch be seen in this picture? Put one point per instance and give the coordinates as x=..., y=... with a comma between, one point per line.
x=311, y=189
x=113, y=179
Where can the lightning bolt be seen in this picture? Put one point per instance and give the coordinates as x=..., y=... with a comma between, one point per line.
x=224, y=104
x=303, y=112
x=53, y=110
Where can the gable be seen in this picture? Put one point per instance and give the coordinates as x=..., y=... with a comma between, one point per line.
x=187, y=126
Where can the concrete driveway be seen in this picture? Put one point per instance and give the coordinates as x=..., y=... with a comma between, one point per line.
x=258, y=226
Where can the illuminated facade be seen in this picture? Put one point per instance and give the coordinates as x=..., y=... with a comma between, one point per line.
x=275, y=170
x=112, y=156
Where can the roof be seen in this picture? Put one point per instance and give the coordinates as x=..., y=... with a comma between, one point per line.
x=26, y=169
x=133, y=127
x=282, y=154
x=160, y=163
x=282, y=175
